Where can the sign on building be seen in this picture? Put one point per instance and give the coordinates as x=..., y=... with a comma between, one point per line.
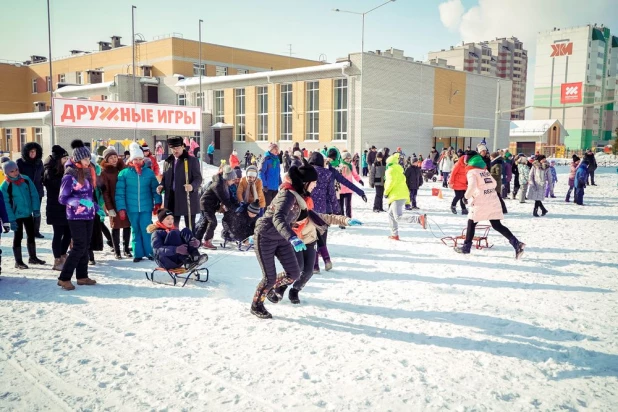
x=571, y=93
x=125, y=115
x=561, y=49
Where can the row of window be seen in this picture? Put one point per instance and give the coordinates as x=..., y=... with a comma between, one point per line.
x=219, y=70
x=61, y=79
x=23, y=136
x=312, y=111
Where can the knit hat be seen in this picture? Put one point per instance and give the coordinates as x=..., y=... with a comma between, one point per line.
x=100, y=150
x=252, y=171
x=238, y=172
x=297, y=154
x=58, y=152
x=228, y=173
x=414, y=159
x=163, y=213
x=301, y=175
x=145, y=147
x=174, y=141
x=271, y=146
x=540, y=157
x=79, y=150
x=380, y=155
x=460, y=152
x=553, y=162
x=254, y=207
x=481, y=147
x=8, y=165
x=135, y=152
x=346, y=155
x=110, y=151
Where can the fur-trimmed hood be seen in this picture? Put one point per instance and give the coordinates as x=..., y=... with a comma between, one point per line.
x=26, y=149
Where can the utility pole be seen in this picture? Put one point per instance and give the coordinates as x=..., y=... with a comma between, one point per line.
x=133, y=39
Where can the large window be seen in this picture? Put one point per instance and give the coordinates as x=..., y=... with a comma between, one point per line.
x=219, y=108
x=197, y=69
x=34, y=87
x=239, y=96
x=48, y=83
x=22, y=138
x=313, y=111
x=62, y=78
x=262, y=94
x=199, y=99
x=38, y=134
x=220, y=71
x=286, y=112
x=182, y=100
x=341, y=109
x=78, y=77
x=8, y=134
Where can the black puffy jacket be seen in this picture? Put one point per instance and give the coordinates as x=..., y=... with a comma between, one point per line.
x=33, y=168
x=52, y=178
x=216, y=195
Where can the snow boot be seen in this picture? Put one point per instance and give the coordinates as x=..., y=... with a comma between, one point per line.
x=408, y=207
x=518, y=246
x=454, y=210
x=208, y=245
x=66, y=284
x=464, y=211
x=86, y=281
x=57, y=264
x=543, y=211
x=394, y=237
x=33, y=260
x=293, y=295
x=126, y=240
x=465, y=248
x=19, y=262
x=323, y=251
x=258, y=309
x=276, y=294
x=535, y=212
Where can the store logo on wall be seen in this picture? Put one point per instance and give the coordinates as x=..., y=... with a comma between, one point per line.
x=571, y=93
x=561, y=49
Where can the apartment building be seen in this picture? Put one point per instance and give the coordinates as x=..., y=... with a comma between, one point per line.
x=502, y=57
x=575, y=81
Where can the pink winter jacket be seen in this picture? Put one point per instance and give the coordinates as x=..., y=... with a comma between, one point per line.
x=351, y=175
x=484, y=204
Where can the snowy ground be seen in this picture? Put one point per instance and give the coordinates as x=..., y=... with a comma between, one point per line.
x=402, y=326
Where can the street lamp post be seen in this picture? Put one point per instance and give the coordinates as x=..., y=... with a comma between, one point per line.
x=133, y=39
x=51, y=80
x=497, y=117
x=360, y=100
x=201, y=96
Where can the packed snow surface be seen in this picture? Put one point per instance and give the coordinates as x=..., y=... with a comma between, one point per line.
x=401, y=326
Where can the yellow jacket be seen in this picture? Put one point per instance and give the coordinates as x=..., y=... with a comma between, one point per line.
x=395, y=186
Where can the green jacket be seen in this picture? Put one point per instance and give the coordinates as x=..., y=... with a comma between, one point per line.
x=20, y=200
x=395, y=186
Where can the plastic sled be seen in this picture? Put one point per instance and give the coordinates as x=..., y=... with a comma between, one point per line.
x=194, y=270
x=479, y=240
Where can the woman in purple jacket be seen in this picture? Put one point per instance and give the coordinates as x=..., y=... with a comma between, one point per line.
x=76, y=193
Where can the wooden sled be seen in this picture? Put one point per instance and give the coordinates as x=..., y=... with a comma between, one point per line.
x=479, y=240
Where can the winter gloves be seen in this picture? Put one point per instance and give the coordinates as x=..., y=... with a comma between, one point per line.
x=298, y=244
x=361, y=182
x=364, y=198
x=354, y=222
x=182, y=250
x=194, y=243
x=111, y=213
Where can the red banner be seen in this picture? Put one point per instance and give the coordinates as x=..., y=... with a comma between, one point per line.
x=571, y=93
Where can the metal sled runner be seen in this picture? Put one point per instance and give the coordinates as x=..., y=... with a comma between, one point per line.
x=182, y=273
x=479, y=240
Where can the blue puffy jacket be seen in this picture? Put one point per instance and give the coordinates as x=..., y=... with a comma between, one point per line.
x=20, y=200
x=581, y=175
x=270, y=172
x=137, y=193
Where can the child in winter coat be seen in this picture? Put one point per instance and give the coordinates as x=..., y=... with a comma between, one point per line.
x=137, y=199
x=212, y=199
x=376, y=180
x=484, y=205
x=446, y=166
x=250, y=188
x=306, y=229
x=239, y=224
x=581, y=179
x=553, y=179
x=348, y=171
x=459, y=183
x=77, y=193
x=173, y=248
x=537, y=181
x=524, y=174
x=414, y=180
x=22, y=204
x=234, y=160
x=574, y=166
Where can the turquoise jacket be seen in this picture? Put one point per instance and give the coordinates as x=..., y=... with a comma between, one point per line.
x=24, y=198
x=137, y=193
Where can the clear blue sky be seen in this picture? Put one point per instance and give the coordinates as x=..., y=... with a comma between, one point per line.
x=416, y=26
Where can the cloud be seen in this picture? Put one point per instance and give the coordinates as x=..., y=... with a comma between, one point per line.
x=450, y=14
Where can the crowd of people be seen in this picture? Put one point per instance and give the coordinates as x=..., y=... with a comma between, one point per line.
x=281, y=216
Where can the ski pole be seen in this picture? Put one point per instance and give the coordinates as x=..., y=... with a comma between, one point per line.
x=188, y=194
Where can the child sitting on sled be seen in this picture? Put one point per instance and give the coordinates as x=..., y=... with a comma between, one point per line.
x=173, y=248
